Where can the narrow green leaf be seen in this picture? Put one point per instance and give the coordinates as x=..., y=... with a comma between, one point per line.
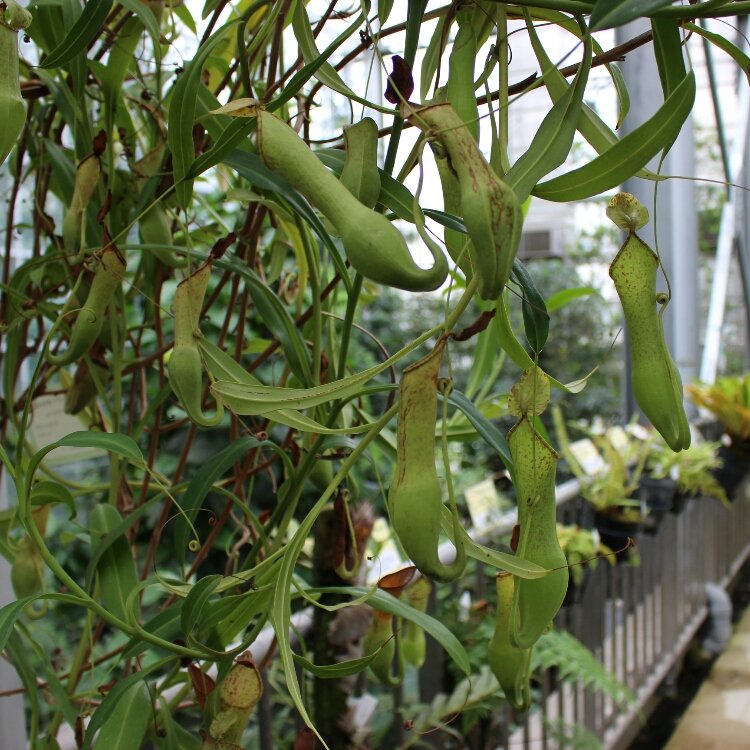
x=629, y=154
x=8, y=616
x=521, y=357
x=165, y=624
x=181, y=117
x=494, y=558
x=485, y=429
x=116, y=568
x=552, y=142
x=111, y=442
x=723, y=44
x=431, y=59
x=303, y=34
x=265, y=398
x=670, y=60
x=566, y=296
x=129, y=694
x=195, y=602
x=610, y=13
x=81, y=34
x=535, y=315
x=338, y=670
x=386, y=602
x=125, y=727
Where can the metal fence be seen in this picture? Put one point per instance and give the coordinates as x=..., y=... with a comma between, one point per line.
x=640, y=620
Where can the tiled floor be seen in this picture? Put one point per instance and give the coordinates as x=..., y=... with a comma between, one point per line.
x=719, y=716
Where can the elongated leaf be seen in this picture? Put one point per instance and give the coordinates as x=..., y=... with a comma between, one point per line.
x=485, y=429
x=535, y=315
x=598, y=134
x=610, y=13
x=386, y=602
x=723, y=44
x=303, y=34
x=115, y=533
x=521, y=357
x=335, y=671
x=552, y=142
x=8, y=616
x=195, y=602
x=125, y=726
x=181, y=117
x=81, y=34
x=116, y=568
x=626, y=157
x=670, y=61
x=165, y=624
x=115, y=705
x=566, y=296
x=432, y=56
x=265, y=398
x=496, y=559
x=116, y=443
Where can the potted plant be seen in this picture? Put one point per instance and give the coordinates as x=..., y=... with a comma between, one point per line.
x=728, y=399
x=618, y=514
x=689, y=473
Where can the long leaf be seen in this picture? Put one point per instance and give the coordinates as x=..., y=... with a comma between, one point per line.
x=723, y=44
x=81, y=34
x=610, y=13
x=386, y=602
x=485, y=429
x=627, y=156
x=552, y=142
x=262, y=399
x=128, y=714
x=181, y=117
x=116, y=568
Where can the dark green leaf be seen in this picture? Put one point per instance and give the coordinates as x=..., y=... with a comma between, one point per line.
x=81, y=34
x=125, y=726
x=628, y=155
x=181, y=117
x=485, y=429
x=535, y=315
x=552, y=142
x=670, y=61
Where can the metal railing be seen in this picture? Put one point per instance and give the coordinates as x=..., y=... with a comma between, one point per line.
x=640, y=620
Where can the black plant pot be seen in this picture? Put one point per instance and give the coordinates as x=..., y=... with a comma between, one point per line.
x=735, y=465
x=659, y=496
x=615, y=532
